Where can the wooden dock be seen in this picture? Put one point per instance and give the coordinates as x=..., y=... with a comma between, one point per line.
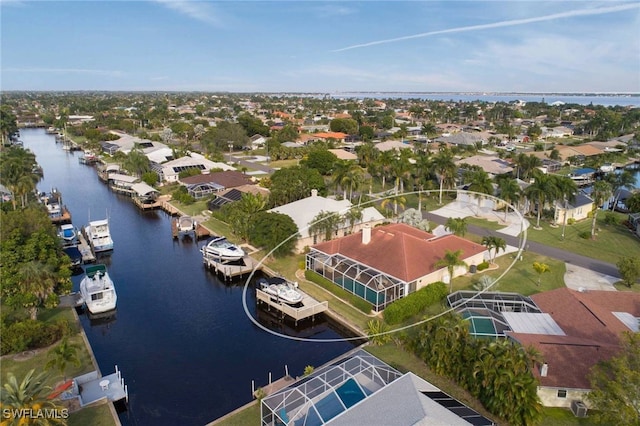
x=308, y=309
x=85, y=249
x=230, y=270
x=199, y=233
x=65, y=217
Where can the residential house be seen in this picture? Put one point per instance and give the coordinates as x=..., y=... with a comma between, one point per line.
x=462, y=138
x=231, y=195
x=204, y=185
x=408, y=263
x=591, y=324
x=577, y=209
x=257, y=141
x=361, y=389
x=490, y=164
x=169, y=171
x=391, y=145
x=343, y=154
x=335, y=136
x=304, y=211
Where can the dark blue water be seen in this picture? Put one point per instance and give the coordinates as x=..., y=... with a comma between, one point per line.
x=180, y=336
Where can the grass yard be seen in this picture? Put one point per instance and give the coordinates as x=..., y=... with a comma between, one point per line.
x=20, y=364
x=248, y=416
x=522, y=278
x=612, y=241
x=280, y=164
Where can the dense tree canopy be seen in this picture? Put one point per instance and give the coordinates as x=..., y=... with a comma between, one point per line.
x=321, y=160
x=274, y=231
x=294, y=183
x=615, y=384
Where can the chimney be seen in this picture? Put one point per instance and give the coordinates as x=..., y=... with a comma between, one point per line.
x=543, y=369
x=314, y=192
x=366, y=234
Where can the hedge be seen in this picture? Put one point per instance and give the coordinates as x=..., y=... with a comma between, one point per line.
x=483, y=265
x=414, y=303
x=30, y=334
x=338, y=291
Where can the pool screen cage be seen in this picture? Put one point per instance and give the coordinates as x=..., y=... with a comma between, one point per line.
x=328, y=392
x=483, y=310
x=372, y=285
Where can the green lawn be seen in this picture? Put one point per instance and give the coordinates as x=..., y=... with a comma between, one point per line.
x=522, y=278
x=248, y=416
x=612, y=241
x=19, y=365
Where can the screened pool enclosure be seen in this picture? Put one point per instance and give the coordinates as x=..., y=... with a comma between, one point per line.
x=330, y=391
x=375, y=287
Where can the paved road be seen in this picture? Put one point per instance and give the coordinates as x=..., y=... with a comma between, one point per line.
x=553, y=252
x=242, y=161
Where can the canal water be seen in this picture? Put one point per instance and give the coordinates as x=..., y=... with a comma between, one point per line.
x=179, y=335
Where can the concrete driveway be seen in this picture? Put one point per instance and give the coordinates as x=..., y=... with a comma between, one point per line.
x=577, y=278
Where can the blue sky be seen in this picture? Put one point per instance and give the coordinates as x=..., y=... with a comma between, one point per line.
x=315, y=46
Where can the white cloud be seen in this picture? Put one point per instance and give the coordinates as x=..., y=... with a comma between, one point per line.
x=507, y=23
x=198, y=10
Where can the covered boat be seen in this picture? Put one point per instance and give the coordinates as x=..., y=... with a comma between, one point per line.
x=67, y=232
x=219, y=248
x=282, y=289
x=97, y=290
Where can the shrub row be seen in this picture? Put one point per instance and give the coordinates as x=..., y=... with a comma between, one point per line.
x=338, y=291
x=31, y=334
x=414, y=303
x=482, y=266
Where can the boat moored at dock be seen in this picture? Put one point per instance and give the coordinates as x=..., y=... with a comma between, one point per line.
x=221, y=249
x=68, y=234
x=281, y=289
x=99, y=236
x=97, y=289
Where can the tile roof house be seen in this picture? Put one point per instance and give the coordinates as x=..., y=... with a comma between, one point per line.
x=408, y=263
x=169, y=171
x=490, y=164
x=592, y=322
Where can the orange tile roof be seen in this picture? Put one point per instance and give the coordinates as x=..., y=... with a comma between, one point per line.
x=400, y=250
x=327, y=135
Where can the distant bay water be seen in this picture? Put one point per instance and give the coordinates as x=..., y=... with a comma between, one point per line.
x=549, y=98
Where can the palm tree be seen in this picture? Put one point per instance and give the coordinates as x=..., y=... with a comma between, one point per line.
x=325, y=223
x=38, y=283
x=457, y=225
x=619, y=181
x=353, y=216
x=494, y=243
x=62, y=355
x=601, y=191
x=136, y=162
x=422, y=175
x=340, y=175
x=526, y=164
x=29, y=395
x=480, y=182
x=541, y=191
x=384, y=162
x=451, y=260
x=566, y=189
x=509, y=192
x=367, y=154
x=445, y=168
x=400, y=167
x=397, y=201
x=541, y=268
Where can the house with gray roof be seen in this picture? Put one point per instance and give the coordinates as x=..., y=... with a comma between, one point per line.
x=304, y=211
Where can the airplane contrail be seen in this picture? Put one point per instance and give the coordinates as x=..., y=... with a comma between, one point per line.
x=510, y=23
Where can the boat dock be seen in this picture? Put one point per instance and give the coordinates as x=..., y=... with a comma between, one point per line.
x=200, y=231
x=230, y=270
x=65, y=217
x=85, y=249
x=308, y=308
